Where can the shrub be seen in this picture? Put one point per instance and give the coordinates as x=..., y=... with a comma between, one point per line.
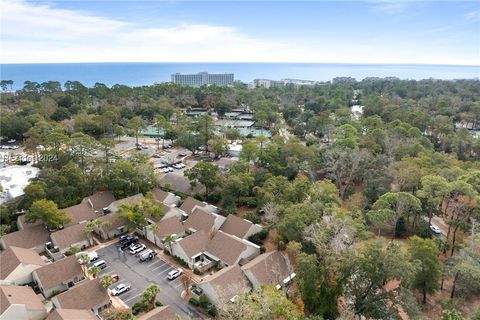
x=137, y=308
x=158, y=303
x=194, y=302
x=199, y=197
x=197, y=272
x=203, y=300
x=281, y=246
x=259, y=237
x=252, y=217
x=214, y=197
x=212, y=311
x=248, y=201
x=262, y=249
x=181, y=262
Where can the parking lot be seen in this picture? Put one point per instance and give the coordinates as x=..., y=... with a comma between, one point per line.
x=139, y=275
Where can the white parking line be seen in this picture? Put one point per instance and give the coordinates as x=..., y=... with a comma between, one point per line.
x=131, y=298
x=162, y=266
x=166, y=271
x=152, y=263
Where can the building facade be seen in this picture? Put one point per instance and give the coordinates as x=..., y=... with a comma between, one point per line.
x=203, y=78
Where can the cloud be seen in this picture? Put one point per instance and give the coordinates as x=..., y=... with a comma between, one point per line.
x=390, y=7
x=45, y=33
x=472, y=16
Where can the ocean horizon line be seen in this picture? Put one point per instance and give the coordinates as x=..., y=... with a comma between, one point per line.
x=250, y=62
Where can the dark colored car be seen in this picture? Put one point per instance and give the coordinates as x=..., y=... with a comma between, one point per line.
x=126, y=240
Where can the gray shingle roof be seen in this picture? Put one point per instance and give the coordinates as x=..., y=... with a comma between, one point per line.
x=19, y=295
x=236, y=226
x=89, y=294
x=59, y=272
x=12, y=257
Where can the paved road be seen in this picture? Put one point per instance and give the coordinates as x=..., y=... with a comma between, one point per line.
x=140, y=275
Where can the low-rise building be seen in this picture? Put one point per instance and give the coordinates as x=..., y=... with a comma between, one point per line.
x=72, y=236
x=71, y=314
x=223, y=286
x=240, y=227
x=32, y=237
x=189, y=204
x=200, y=219
x=20, y=303
x=17, y=265
x=160, y=313
x=57, y=277
x=113, y=225
x=165, y=227
x=88, y=295
x=203, y=250
x=271, y=268
x=128, y=201
x=165, y=197
x=90, y=207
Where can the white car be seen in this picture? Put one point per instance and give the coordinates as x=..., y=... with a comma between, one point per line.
x=136, y=248
x=121, y=288
x=174, y=274
x=435, y=229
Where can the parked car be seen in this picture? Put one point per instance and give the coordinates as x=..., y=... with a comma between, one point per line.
x=115, y=277
x=127, y=240
x=121, y=288
x=100, y=264
x=93, y=256
x=11, y=141
x=136, y=248
x=177, y=166
x=435, y=229
x=147, y=255
x=182, y=154
x=167, y=169
x=174, y=274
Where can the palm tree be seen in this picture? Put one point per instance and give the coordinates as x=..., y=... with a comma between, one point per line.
x=107, y=280
x=83, y=260
x=94, y=271
x=168, y=240
x=154, y=229
x=149, y=296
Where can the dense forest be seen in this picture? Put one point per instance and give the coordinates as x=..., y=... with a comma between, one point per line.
x=350, y=200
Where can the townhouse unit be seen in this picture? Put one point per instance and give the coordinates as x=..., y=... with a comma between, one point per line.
x=222, y=287
x=72, y=236
x=87, y=295
x=30, y=236
x=202, y=250
x=20, y=303
x=90, y=207
x=71, y=314
x=165, y=227
x=57, y=277
x=239, y=227
x=17, y=265
x=160, y=313
x=272, y=268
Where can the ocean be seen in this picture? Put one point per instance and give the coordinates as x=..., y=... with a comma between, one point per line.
x=137, y=74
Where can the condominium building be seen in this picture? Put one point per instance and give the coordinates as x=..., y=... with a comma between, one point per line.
x=203, y=78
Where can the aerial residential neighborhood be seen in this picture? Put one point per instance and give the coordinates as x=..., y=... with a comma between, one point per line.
x=210, y=250
x=239, y=160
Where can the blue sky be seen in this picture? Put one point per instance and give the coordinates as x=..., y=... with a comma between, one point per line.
x=376, y=31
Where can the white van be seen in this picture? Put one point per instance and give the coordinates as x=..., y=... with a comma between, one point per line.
x=100, y=264
x=146, y=255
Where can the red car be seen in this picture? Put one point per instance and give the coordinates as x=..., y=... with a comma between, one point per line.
x=115, y=277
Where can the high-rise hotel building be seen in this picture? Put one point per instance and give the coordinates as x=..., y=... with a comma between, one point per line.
x=203, y=78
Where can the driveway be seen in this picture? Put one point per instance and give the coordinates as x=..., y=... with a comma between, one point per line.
x=140, y=275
